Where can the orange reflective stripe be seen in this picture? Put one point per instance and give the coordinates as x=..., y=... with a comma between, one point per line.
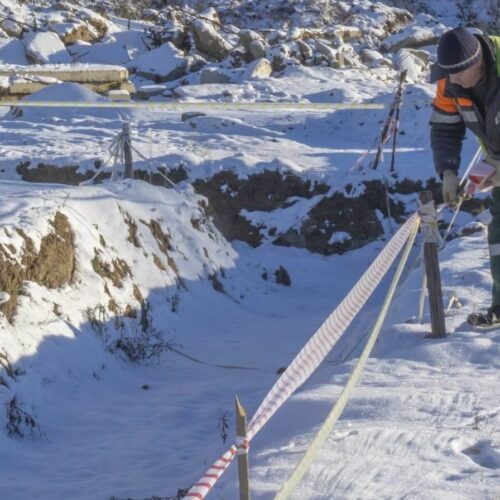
x=448, y=104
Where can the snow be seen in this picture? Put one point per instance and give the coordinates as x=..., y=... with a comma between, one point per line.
x=165, y=62
x=46, y=48
x=424, y=420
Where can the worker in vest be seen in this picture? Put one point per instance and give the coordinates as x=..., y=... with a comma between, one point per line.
x=468, y=96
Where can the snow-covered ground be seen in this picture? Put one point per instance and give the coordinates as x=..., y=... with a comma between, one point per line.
x=422, y=423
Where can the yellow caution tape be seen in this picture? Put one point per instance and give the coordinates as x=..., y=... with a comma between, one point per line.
x=174, y=106
x=341, y=403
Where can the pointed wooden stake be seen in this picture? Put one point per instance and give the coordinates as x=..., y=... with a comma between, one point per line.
x=433, y=280
x=243, y=468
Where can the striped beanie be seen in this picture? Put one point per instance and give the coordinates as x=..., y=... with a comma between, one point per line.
x=458, y=50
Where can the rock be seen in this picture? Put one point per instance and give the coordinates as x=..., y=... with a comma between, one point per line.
x=45, y=47
x=326, y=50
x=257, y=49
x=164, y=64
x=371, y=56
x=295, y=34
x=214, y=75
x=260, y=68
x=63, y=6
x=147, y=91
x=347, y=33
x=249, y=36
x=306, y=50
x=13, y=51
x=11, y=28
x=405, y=60
x=422, y=31
x=97, y=21
x=277, y=36
x=208, y=40
x=195, y=62
x=150, y=15
x=119, y=95
x=188, y=115
x=72, y=32
x=212, y=15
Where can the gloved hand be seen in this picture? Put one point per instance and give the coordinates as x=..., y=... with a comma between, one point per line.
x=450, y=187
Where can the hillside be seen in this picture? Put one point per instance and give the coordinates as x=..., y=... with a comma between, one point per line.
x=132, y=311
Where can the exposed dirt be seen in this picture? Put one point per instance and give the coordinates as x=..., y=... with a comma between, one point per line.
x=52, y=266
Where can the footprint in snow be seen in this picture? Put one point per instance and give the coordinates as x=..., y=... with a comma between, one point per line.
x=483, y=454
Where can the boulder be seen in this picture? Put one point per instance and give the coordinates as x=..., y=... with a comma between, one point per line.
x=214, y=75
x=375, y=59
x=147, y=91
x=75, y=31
x=11, y=28
x=150, y=15
x=326, y=50
x=97, y=21
x=12, y=51
x=208, y=40
x=405, y=60
x=422, y=31
x=260, y=68
x=45, y=48
x=164, y=64
x=306, y=50
x=257, y=49
x=249, y=36
x=347, y=33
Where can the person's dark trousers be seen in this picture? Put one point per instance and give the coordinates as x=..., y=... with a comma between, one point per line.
x=494, y=244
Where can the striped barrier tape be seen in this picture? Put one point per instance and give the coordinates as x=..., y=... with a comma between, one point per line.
x=200, y=489
x=316, y=349
x=341, y=403
x=175, y=106
x=320, y=344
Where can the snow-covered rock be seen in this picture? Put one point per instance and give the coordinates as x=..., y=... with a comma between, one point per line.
x=405, y=60
x=73, y=31
x=214, y=75
x=163, y=64
x=423, y=30
x=257, y=49
x=11, y=27
x=249, y=36
x=260, y=68
x=12, y=51
x=208, y=40
x=45, y=48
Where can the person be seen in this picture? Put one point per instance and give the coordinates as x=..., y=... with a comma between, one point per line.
x=468, y=97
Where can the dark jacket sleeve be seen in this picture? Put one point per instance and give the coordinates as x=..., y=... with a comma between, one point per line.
x=447, y=131
x=446, y=144
x=493, y=128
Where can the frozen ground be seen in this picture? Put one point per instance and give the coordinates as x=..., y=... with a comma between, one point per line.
x=424, y=421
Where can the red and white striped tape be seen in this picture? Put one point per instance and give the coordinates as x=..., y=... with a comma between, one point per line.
x=200, y=489
x=313, y=353
x=320, y=344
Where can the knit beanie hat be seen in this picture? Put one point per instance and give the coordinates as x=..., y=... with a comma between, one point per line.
x=458, y=50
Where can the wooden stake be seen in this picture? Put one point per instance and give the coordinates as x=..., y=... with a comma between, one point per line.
x=433, y=274
x=243, y=468
x=127, y=151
